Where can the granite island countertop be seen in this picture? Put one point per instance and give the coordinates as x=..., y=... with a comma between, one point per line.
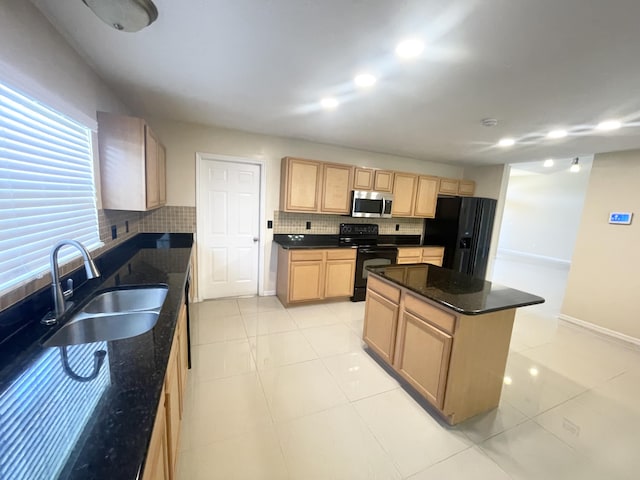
x=454, y=290
x=59, y=427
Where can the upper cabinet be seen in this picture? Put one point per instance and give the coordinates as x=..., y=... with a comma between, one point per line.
x=383, y=181
x=404, y=194
x=312, y=186
x=132, y=164
x=363, y=178
x=452, y=186
x=414, y=196
x=300, y=183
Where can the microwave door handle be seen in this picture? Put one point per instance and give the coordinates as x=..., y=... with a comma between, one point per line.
x=384, y=207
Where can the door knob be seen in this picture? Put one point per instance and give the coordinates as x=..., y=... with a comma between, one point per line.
x=255, y=239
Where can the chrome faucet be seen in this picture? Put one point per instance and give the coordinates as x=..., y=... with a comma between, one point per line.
x=59, y=295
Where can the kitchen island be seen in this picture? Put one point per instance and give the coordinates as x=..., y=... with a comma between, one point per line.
x=445, y=333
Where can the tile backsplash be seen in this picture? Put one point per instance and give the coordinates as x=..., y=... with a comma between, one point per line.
x=285, y=222
x=166, y=219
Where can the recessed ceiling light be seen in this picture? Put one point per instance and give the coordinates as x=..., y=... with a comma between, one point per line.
x=329, y=103
x=609, y=125
x=410, y=48
x=557, y=134
x=548, y=163
x=533, y=371
x=364, y=80
x=506, y=142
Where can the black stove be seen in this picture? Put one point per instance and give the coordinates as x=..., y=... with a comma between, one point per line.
x=370, y=253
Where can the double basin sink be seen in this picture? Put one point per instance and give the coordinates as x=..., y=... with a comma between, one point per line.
x=113, y=315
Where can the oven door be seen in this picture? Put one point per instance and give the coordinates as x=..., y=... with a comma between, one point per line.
x=370, y=257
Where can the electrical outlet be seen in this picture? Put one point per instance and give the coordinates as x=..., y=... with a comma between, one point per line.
x=114, y=232
x=308, y=225
x=126, y=226
x=397, y=227
x=269, y=223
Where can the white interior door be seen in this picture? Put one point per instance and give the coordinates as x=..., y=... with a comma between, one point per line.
x=228, y=228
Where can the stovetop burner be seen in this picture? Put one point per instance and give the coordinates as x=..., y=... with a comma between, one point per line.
x=358, y=234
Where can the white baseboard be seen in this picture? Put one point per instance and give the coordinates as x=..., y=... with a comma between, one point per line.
x=269, y=293
x=600, y=330
x=518, y=255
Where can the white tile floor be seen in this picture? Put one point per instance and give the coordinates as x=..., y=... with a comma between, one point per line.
x=280, y=393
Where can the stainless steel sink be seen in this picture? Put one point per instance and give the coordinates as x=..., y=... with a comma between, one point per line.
x=113, y=315
x=103, y=328
x=127, y=300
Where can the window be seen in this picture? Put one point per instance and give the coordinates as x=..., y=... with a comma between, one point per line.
x=47, y=190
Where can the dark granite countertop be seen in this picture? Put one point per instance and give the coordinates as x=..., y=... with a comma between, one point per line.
x=301, y=241
x=59, y=427
x=460, y=292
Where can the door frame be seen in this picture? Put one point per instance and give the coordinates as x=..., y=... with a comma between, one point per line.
x=201, y=157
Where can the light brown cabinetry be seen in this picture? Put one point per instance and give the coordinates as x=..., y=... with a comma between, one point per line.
x=312, y=186
x=381, y=312
x=315, y=274
x=426, y=197
x=466, y=188
x=448, y=186
x=455, y=361
x=132, y=164
x=300, y=185
x=432, y=255
x=156, y=464
x=363, y=178
x=164, y=446
x=336, y=188
x=404, y=194
x=383, y=181
x=452, y=186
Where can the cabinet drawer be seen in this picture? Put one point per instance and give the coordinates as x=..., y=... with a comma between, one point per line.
x=433, y=251
x=306, y=255
x=388, y=291
x=431, y=314
x=409, y=252
x=342, y=254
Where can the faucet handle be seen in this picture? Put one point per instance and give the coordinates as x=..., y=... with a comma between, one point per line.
x=69, y=291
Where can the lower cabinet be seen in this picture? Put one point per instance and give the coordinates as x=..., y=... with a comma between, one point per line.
x=315, y=274
x=157, y=463
x=164, y=446
x=423, y=357
x=455, y=361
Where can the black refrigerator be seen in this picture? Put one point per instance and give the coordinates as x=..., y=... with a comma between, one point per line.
x=463, y=225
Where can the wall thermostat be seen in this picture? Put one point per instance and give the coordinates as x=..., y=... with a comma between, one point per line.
x=620, y=218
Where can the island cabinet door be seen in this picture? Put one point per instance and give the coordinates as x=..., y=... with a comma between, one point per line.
x=422, y=357
x=380, y=325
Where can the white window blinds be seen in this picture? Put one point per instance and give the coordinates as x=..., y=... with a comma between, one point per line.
x=47, y=190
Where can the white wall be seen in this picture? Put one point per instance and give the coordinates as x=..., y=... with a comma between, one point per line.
x=542, y=213
x=183, y=140
x=36, y=59
x=603, y=284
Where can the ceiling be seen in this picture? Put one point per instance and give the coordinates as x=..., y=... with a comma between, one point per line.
x=263, y=65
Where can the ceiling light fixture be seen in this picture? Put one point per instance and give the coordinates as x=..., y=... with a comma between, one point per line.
x=506, y=142
x=609, y=125
x=124, y=15
x=329, y=103
x=364, y=80
x=557, y=134
x=548, y=163
x=575, y=166
x=409, y=48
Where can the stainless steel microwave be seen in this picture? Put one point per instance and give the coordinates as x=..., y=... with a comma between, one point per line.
x=371, y=204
